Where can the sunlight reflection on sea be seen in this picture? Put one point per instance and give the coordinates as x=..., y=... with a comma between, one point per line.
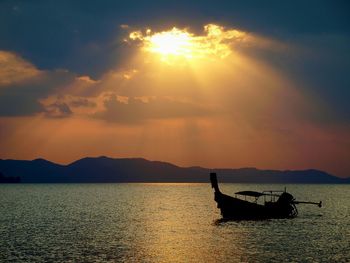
x=165, y=223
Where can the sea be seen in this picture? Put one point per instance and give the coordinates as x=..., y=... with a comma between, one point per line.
x=146, y=222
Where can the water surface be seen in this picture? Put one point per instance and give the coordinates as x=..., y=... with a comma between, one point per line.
x=165, y=223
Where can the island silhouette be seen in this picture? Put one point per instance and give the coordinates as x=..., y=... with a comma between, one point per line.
x=9, y=179
x=117, y=170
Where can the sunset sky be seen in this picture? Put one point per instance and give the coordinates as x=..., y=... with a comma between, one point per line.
x=261, y=84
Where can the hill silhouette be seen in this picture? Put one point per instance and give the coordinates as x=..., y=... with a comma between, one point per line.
x=114, y=170
x=9, y=180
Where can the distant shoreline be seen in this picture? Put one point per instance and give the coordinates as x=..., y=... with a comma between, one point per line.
x=138, y=170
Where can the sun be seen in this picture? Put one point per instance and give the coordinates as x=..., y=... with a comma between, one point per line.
x=177, y=45
x=175, y=42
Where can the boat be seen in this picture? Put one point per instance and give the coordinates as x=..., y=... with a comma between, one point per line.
x=248, y=205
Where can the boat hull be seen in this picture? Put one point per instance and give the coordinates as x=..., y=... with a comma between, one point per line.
x=234, y=208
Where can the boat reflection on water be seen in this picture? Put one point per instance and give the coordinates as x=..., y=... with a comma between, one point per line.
x=276, y=204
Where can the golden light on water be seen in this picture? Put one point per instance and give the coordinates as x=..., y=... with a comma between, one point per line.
x=174, y=44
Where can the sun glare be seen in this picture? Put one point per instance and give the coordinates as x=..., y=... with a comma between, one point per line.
x=175, y=44
x=172, y=43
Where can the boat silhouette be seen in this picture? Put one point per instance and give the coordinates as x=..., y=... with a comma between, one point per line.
x=276, y=204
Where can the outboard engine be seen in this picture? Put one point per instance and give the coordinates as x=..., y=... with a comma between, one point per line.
x=285, y=198
x=286, y=204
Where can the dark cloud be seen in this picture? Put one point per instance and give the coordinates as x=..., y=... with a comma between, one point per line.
x=58, y=110
x=23, y=98
x=137, y=110
x=82, y=102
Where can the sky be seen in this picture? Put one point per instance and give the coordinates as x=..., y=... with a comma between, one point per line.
x=234, y=84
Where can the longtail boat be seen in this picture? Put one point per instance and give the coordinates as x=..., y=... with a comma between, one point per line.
x=276, y=204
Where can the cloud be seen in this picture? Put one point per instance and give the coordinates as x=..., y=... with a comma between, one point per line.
x=14, y=69
x=237, y=82
x=26, y=90
x=23, y=85
x=58, y=110
x=137, y=110
x=87, y=40
x=67, y=105
x=82, y=102
x=215, y=41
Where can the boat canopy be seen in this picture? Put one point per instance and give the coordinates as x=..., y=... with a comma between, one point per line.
x=250, y=193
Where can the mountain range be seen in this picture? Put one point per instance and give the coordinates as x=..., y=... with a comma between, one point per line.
x=111, y=170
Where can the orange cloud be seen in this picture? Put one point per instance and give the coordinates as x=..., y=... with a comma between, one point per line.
x=14, y=69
